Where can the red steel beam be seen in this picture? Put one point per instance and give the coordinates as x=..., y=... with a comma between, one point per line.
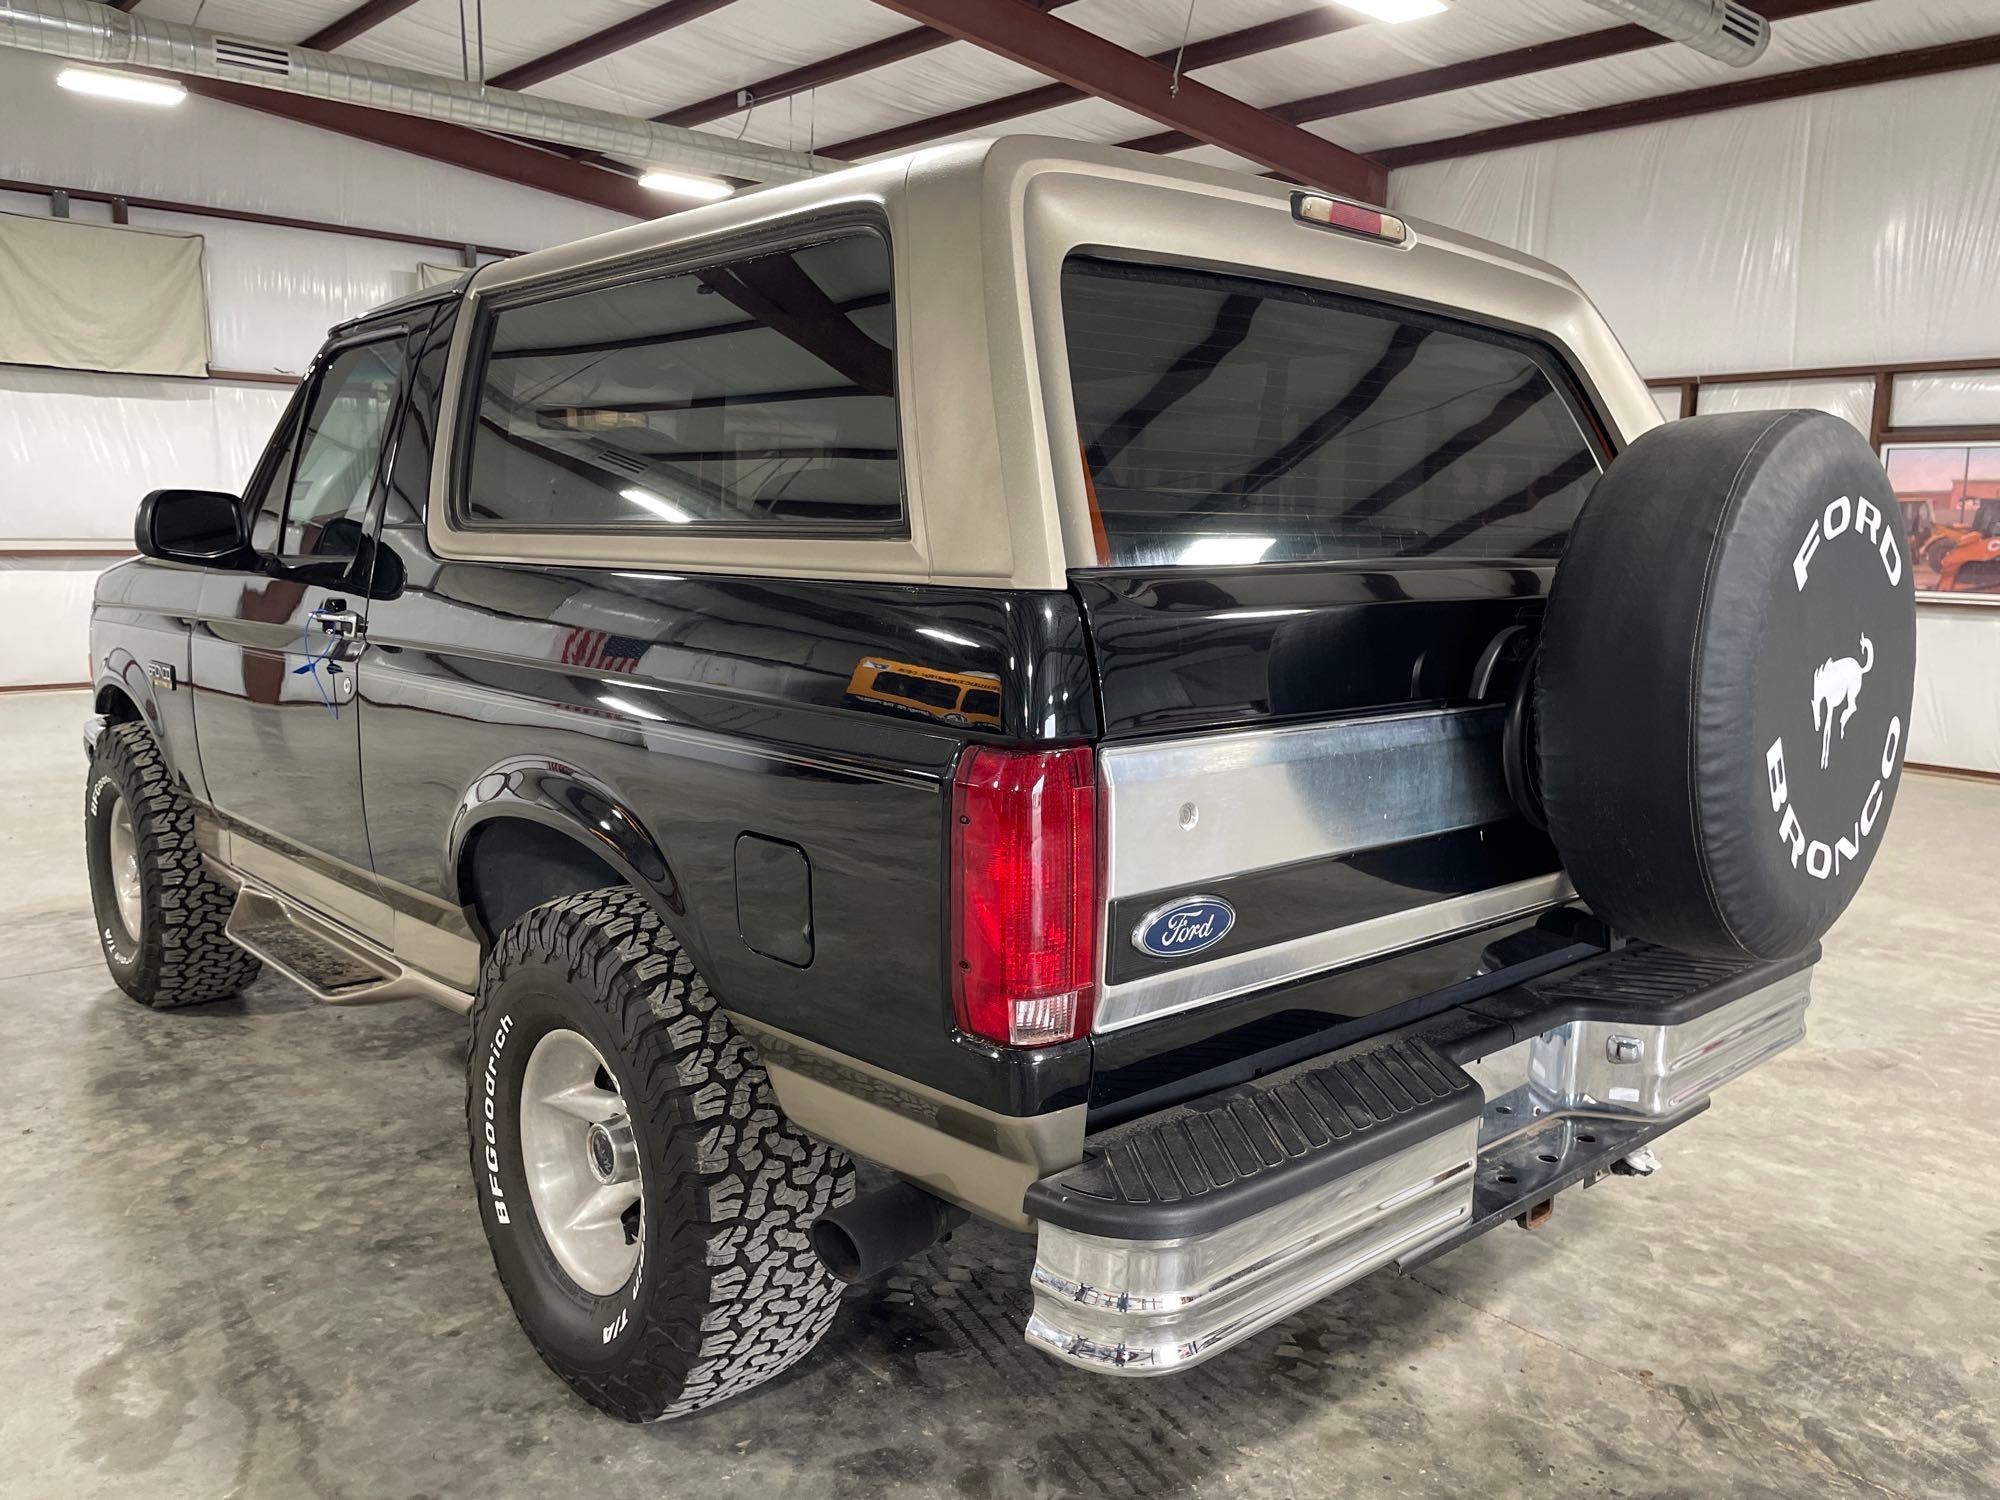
x=453, y=144
x=365, y=17
x=1592, y=46
x=1918, y=62
x=1229, y=47
x=879, y=54
x=601, y=44
x=1069, y=54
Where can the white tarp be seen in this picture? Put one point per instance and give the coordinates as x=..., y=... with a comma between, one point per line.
x=1961, y=398
x=77, y=451
x=80, y=296
x=1841, y=229
x=1852, y=399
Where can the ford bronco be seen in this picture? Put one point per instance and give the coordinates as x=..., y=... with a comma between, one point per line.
x=1177, y=714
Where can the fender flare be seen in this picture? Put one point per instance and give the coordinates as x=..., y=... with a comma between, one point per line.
x=569, y=800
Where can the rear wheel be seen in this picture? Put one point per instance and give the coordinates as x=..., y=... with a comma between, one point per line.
x=160, y=913
x=646, y=1202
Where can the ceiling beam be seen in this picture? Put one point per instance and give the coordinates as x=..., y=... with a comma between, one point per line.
x=452, y=144
x=364, y=17
x=857, y=60
x=1591, y=46
x=1229, y=47
x=601, y=44
x=1919, y=62
x=1087, y=62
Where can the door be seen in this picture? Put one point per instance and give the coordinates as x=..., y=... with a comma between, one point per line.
x=275, y=654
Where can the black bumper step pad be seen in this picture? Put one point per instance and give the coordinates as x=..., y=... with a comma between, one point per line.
x=1640, y=984
x=1221, y=1158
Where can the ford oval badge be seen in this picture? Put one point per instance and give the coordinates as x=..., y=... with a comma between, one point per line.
x=1184, y=927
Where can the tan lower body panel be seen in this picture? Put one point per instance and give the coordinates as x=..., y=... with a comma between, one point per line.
x=974, y=1157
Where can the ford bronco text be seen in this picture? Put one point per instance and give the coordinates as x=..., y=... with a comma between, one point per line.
x=1179, y=715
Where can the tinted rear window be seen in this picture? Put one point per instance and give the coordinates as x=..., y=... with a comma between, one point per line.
x=1229, y=420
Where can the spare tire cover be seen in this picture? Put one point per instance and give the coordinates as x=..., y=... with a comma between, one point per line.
x=1722, y=699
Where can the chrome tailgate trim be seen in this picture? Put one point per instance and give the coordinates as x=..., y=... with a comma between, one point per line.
x=1175, y=990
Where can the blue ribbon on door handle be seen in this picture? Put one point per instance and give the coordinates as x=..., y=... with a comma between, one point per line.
x=313, y=662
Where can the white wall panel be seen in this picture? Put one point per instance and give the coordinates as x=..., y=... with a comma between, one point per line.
x=1669, y=403
x=45, y=619
x=1838, y=229
x=1852, y=399
x=79, y=450
x=1955, y=719
x=1964, y=398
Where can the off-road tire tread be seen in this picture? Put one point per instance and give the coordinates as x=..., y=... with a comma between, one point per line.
x=185, y=958
x=757, y=1299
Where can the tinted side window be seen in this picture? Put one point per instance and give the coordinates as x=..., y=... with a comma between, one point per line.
x=340, y=451
x=755, y=392
x=1229, y=420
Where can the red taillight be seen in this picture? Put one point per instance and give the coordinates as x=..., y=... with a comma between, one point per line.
x=1024, y=893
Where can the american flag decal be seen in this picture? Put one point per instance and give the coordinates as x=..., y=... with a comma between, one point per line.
x=601, y=650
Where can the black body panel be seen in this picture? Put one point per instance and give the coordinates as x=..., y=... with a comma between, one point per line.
x=1182, y=649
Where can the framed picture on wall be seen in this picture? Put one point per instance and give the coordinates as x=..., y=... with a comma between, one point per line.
x=1949, y=494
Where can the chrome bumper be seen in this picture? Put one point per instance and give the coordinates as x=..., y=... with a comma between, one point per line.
x=1560, y=1107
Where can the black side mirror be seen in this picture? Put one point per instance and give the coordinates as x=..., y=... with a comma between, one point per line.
x=193, y=526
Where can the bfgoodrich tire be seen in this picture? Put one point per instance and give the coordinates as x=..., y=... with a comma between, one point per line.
x=646, y=1202
x=159, y=912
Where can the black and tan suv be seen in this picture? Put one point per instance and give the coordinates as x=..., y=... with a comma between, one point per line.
x=1183, y=716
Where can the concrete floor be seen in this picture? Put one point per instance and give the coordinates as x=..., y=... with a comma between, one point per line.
x=239, y=1256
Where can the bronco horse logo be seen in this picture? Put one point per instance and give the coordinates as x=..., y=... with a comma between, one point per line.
x=1836, y=681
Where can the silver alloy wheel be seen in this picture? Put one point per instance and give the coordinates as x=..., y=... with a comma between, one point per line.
x=121, y=859
x=581, y=1162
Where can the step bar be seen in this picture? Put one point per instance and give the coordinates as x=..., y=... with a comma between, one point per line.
x=333, y=966
x=1183, y=1233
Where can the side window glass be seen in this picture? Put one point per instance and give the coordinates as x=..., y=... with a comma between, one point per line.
x=753, y=393
x=267, y=501
x=339, y=452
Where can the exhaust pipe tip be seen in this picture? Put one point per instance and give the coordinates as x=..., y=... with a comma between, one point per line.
x=869, y=1235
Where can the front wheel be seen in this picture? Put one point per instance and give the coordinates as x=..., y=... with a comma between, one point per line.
x=160, y=913
x=646, y=1202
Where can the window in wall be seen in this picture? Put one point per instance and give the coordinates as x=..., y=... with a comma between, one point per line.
x=758, y=392
x=1228, y=420
x=340, y=450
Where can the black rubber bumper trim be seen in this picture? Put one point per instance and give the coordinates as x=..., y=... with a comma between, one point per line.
x=1205, y=1164
x=1640, y=984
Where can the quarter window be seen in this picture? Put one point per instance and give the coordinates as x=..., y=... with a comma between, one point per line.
x=757, y=392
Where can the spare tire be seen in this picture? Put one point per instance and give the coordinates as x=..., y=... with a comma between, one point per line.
x=1722, y=698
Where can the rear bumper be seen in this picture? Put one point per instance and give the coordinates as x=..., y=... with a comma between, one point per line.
x=1183, y=1233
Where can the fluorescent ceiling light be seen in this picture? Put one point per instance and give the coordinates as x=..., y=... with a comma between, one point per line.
x=127, y=87
x=1222, y=551
x=707, y=189
x=1394, y=10
x=666, y=510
